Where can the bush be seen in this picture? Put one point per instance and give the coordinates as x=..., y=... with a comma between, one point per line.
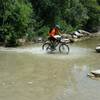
x=17, y=20
x=43, y=31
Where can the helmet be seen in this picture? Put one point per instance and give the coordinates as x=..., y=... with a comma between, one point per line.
x=57, y=26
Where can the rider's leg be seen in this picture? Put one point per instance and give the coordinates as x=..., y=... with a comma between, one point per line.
x=53, y=44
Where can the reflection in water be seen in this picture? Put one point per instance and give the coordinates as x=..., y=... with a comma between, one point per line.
x=29, y=74
x=80, y=87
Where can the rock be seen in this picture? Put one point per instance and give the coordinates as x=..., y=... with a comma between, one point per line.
x=20, y=41
x=38, y=39
x=84, y=32
x=95, y=73
x=91, y=75
x=80, y=33
x=76, y=34
x=98, y=48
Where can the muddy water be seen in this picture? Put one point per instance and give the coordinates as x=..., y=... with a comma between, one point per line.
x=31, y=74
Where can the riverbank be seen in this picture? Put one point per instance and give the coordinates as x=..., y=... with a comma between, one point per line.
x=72, y=39
x=82, y=38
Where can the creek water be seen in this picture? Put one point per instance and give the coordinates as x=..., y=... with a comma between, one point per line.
x=29, y=73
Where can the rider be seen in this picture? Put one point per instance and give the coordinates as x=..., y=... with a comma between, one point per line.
x=54, y=35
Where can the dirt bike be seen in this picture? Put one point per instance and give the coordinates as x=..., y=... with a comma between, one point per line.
x=62, y=44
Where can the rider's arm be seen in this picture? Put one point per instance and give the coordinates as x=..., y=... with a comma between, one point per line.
x=60, y=32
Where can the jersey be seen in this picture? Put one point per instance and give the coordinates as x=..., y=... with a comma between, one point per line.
x=53, y=32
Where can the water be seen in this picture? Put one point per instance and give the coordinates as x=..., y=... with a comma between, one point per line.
x=31, y=74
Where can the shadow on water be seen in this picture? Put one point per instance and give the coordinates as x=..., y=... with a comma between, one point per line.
x=31, y=74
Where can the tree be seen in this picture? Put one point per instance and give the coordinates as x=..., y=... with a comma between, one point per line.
x=17, y=16
x=94, y=14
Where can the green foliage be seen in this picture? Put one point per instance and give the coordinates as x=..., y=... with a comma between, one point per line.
x=94, y=14
x=76, y=13
x=30, y=18
x=17, y=20
x=98, y=1
x=43, y=31
x=65, y=27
